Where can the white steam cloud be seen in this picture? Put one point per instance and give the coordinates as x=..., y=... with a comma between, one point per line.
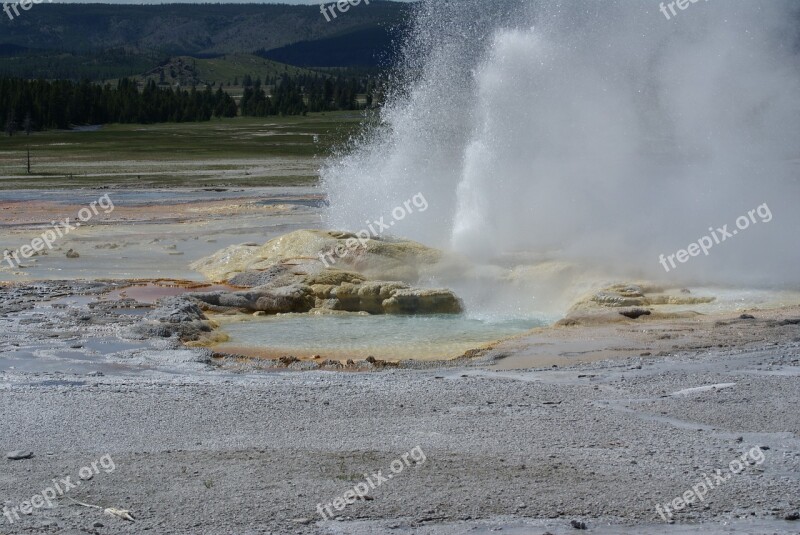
x=596, y=132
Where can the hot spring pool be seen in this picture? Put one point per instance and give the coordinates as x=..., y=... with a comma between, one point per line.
x=385, y=337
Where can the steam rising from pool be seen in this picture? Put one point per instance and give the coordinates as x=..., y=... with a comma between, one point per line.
x=598, y=133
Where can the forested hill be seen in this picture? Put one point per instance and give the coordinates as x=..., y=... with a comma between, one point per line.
x=103, y=41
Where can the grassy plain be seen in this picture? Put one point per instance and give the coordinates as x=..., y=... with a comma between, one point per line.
x=220, y=71
x=242, y=151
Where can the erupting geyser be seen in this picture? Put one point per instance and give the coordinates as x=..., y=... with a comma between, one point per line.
x=594, y=132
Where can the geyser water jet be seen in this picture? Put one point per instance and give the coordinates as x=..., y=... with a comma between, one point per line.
x=596, y=133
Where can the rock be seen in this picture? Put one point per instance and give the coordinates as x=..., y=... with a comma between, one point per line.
x=175, y=316
x=176, y=310
x=292, y=298
x=792, y=516
x=414, y=301
x=577, y=524
x=635, y=313
x=638, y=295
x=617, y=300
x=747, y=317
x=368, y=296
x=598, y=307
x=18, y=455
x=250, y=279
x=297, y=273
x=375, y=257
x=677, y=300
x=351, y=294
x=328, y=308
x=72, y=254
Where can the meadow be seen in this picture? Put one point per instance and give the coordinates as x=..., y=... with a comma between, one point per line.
x=241, y=151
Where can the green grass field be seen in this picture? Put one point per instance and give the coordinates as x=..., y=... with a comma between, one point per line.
x=243, y=151
x=222, y=70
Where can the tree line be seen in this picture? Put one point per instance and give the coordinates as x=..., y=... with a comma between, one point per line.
x=286, y=99
x=62, y=103
x=42, y=104
x=299, y=94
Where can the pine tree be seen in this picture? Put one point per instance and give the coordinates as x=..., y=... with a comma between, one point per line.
x=11, y=124
x=27, y=124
